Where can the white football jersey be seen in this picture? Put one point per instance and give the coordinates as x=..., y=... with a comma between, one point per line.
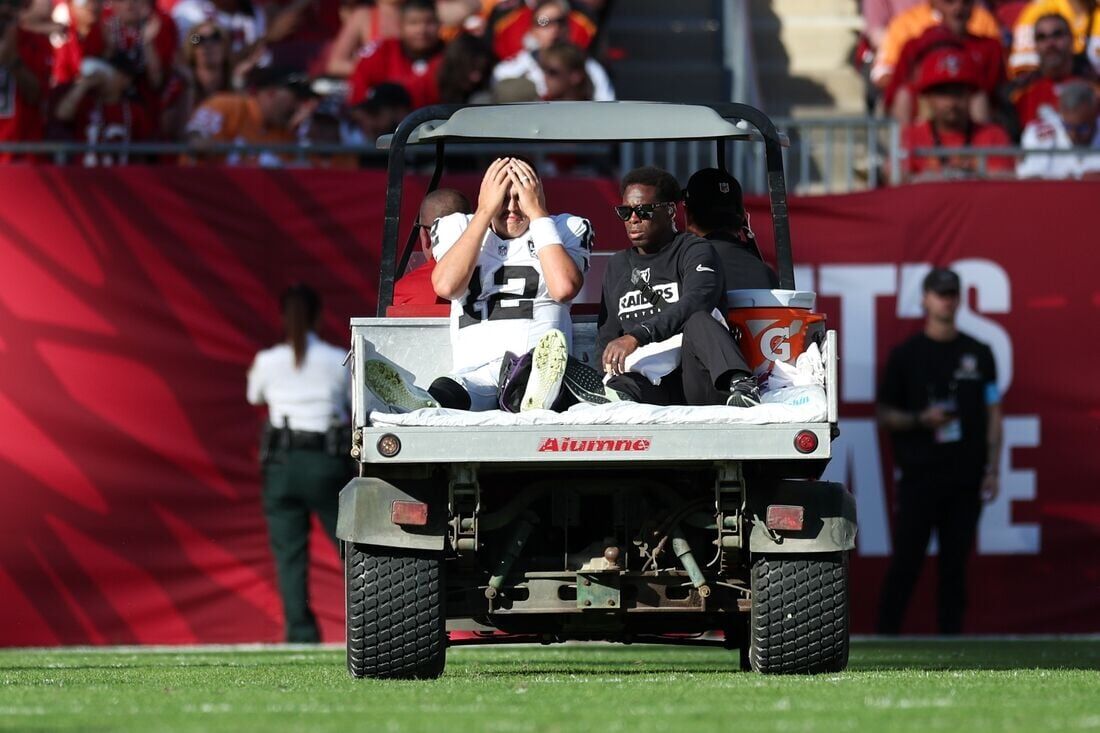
x=507, y=306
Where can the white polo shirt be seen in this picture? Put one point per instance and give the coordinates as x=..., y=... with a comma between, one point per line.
x=309, y=397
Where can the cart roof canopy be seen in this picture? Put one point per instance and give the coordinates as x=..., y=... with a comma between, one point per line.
x=580, y=122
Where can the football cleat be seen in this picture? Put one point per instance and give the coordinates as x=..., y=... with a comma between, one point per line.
x=586, y=384
x=547, y=370
x=744, y=392
x=387, y=384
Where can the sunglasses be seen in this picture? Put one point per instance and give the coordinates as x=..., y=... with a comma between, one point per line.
x=1040, y=37
x=553, y=72
x=199, y=39
x=644, y=211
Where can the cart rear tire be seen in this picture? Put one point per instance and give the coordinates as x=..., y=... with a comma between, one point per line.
x=799, y=618
x=395, y=615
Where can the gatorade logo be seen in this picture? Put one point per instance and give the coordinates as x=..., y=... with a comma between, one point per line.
x=775, y=344
x=774, y=341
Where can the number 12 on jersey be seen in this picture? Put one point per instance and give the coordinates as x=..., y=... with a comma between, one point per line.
x=501, y=305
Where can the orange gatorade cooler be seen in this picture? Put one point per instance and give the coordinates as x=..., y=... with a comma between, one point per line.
x=773, y=325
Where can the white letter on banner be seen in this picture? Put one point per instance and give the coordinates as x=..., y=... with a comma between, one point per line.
x=804, y=277
x=997, y=534
x=857, y=463
x=993, y=296
x=857, y=286
x=911, y=290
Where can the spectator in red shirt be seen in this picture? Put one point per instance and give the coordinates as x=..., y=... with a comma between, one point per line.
x=148, y=36
x=415, y=287
x=84, y=39
x=364, y=22
x=986, y=53
x=104, y=106
x=25, y=60
x=511, y=20
x=299, y=31
x=1057, y=65
x=412, y=60
x=947, y=78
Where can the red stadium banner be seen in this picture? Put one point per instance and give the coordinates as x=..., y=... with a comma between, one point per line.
x=132, y=301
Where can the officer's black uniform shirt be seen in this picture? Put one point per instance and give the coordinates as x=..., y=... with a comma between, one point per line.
x=686, y=273
x=920, y=372
x=741, y=263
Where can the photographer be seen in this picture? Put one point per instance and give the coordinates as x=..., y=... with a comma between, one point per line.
x=25, y=59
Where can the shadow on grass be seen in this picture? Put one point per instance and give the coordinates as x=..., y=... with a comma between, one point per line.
x=993, y=655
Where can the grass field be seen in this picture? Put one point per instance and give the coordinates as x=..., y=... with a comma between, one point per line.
x=896, y=686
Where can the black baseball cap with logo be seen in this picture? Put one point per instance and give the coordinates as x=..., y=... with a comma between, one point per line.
x=713, y=190
x=942, y=281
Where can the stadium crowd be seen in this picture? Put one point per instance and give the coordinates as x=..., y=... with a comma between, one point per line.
x=963, y=73
x=277, y=71
x=952, y=73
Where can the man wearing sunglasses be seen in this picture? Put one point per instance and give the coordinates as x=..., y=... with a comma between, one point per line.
x=662, y=336
x=1057, y=65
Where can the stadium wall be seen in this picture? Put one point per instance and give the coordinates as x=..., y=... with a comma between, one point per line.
x=132, y=301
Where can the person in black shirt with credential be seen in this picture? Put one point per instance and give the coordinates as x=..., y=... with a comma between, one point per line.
x=664, y=300
x=715, y=210
x=938, y=398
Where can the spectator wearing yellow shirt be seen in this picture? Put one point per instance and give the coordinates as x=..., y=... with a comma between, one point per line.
x=915, y=21
x=1083, y=17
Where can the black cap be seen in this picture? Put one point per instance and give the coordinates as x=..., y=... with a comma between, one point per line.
x=387, y=95
x=941, y=280
x=712, y=190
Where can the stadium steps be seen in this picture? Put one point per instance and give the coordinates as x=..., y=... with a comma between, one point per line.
x=665, y=51
x=803, y=53
x=803, y=50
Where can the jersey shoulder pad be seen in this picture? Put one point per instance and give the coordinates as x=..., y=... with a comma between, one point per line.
x=575, y=230
x=445, y=232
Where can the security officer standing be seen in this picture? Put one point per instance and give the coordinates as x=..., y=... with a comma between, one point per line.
x=714, y=209
x=304, y=448
x=938, y=398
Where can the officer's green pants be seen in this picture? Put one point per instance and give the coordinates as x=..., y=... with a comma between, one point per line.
x=297, y=483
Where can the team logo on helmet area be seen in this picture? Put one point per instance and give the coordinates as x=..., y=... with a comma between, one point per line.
x=723, y=187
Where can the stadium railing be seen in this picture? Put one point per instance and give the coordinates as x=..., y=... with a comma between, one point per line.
x=826, y=156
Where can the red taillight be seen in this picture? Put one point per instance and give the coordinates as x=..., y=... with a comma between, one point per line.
x=805, y=441
x=409, y=512
x=785, y=517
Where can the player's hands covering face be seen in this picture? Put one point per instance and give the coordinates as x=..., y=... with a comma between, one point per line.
x=527, y=186
x=494, y=187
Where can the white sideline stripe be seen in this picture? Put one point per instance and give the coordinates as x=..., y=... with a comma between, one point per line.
x=338, y=646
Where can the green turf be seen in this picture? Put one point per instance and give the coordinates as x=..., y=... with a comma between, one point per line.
x=931, y=686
